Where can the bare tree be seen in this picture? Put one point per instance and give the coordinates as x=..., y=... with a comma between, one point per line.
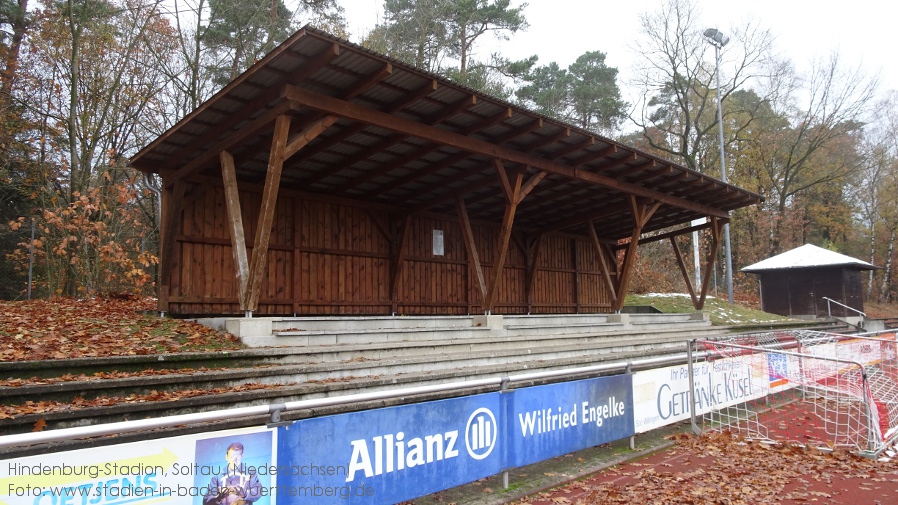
x=677, y=112
x=877, y=192
x=826, y=111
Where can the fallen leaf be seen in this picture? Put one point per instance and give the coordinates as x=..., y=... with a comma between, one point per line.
x=39, y=425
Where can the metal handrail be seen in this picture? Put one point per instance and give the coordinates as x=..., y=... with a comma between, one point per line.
x=274, y=410
x=829, y=310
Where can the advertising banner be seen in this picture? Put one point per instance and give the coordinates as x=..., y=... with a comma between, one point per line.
x=392, y=454
x=223, y=467
x=661, y=396
x=548, y=421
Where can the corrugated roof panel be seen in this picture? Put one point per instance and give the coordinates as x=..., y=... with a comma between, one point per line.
x=356, y=64
x=331, y=81
x=400, y=79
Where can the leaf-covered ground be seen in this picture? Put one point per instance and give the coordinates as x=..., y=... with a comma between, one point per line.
x=719, y=469
x=73, y=328
x=47, y=407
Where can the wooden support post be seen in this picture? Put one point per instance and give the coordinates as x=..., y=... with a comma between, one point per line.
x=473, y=257
x=266, y=213
x=172, y=206
x=532, y=251
x=512, y=192
x=682, y=264
x=576, y=286
x=235, y=226
x=641, y=215
x=716, y=231
x=399, y=245
x=600, y=252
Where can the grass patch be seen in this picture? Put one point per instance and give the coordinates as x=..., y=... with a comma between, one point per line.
x=721, y=312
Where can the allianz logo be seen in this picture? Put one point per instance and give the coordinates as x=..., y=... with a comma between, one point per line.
x=392, y=452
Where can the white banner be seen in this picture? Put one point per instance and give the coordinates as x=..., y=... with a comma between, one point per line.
x=180, y=470
x=661, y=396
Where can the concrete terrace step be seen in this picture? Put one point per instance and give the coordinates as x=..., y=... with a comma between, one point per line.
x=380, y=350
x=301, y=332
x=312, y=354
x=359, y=336
x=458, y=355
x=351, y=384
x=368, y=322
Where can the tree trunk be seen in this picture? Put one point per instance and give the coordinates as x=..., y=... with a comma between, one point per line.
x=872, y=258
x=11, y=63
x=885, y=295
x=70, y=286
x=463, y=50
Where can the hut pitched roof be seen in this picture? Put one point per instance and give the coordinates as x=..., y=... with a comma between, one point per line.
x=808, y=256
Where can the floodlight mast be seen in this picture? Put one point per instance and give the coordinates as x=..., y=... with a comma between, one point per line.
x=717, y=39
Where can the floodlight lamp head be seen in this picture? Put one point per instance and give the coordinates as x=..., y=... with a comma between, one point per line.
x=716, y=37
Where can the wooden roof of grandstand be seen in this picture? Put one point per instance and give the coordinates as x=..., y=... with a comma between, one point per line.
x=389, y=134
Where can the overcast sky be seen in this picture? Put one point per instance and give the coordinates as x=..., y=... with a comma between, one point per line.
x=862, y=31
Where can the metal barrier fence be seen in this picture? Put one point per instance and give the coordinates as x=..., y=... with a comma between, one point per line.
x=275, y=410
x=804, y=387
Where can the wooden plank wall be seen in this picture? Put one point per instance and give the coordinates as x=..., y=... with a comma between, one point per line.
x=334, y=258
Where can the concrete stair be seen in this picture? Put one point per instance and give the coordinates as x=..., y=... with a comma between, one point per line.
x=323, y=331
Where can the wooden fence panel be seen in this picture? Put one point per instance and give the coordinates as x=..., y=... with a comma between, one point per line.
x=333, y=258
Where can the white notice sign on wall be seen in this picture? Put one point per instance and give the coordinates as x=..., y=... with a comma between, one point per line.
x=438, y=243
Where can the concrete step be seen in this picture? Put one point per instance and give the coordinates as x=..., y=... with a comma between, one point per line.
x=301, y=332
x=368, y=323
x=300, y=391
x=293, y=337
x=550, y=352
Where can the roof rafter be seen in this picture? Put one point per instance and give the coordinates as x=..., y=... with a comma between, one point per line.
x=342, y=108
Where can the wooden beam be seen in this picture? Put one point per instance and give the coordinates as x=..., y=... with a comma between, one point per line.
x=531, y=183
x=246, y=131
x=351, y=130
x=490, y=120
x=367, y=82
x=382, y=227
x=548, y=139
x=626, y=270
x=716, y=230
x=504, y=238
x=532, y=254
x=471, y=247
x=675, y=233
x=383, y=169
x=399, y=245
x=554, y=155
x=642, y=212
x=249, y=108
x=576, y=284
x=504, y=184
x=597, y=155
x=600, y=253
x=266, y=213
x=235, y=226
x=685, y=271
x=355, y=112
x=433, y=167
x=302, y=139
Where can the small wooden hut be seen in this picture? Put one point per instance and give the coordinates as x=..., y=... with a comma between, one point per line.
x=329, y=179
x=796, y=283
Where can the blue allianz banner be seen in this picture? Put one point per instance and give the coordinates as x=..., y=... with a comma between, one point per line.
x=392, y=454
x=548, y=421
